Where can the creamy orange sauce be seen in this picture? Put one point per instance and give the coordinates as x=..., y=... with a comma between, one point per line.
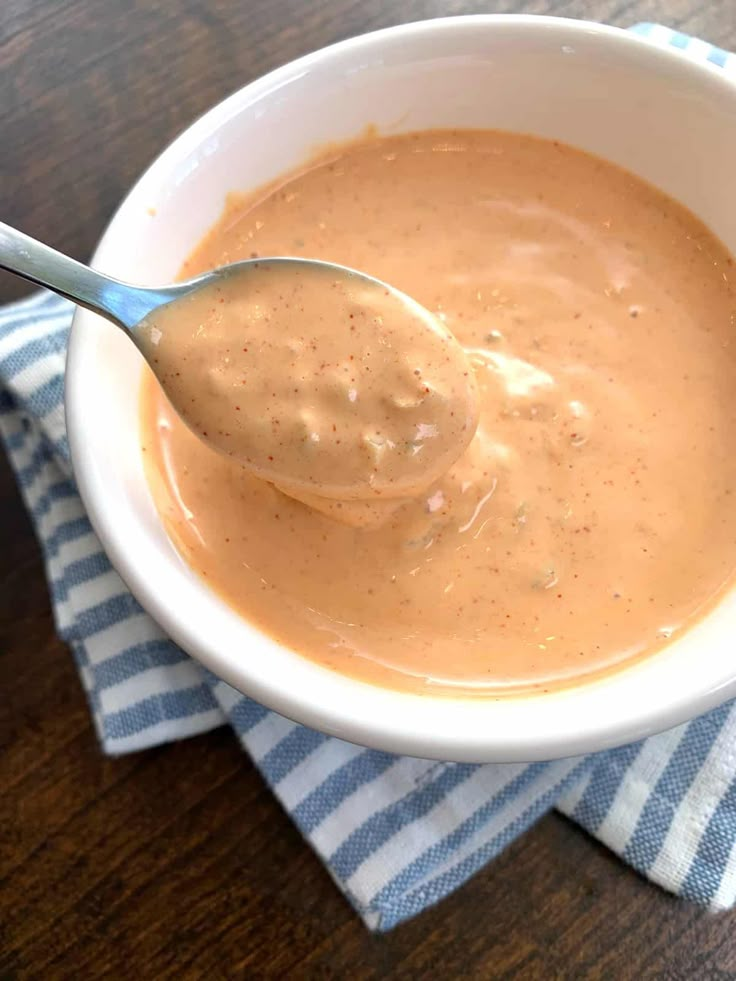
x=591, y=516
x=324, y=381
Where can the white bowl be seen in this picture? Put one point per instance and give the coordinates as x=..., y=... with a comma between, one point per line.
x=665, y=118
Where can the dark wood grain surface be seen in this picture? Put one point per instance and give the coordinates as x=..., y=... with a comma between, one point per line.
x=178, y=863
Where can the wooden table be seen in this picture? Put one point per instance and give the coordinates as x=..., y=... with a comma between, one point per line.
x=178, y=862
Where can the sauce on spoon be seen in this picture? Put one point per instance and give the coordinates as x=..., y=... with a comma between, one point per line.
x=321, y=380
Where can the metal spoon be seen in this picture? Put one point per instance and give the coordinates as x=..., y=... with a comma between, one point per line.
x=438, y=419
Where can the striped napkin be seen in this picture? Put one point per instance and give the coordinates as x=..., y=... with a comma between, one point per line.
x=397, y=834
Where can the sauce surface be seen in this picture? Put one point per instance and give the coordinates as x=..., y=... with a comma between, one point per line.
x=324, y=381
x=591, y=516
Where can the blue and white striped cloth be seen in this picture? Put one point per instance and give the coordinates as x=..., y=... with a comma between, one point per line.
x=397, y=834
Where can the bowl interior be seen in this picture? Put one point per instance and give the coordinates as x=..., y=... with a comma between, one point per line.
x=651, y=111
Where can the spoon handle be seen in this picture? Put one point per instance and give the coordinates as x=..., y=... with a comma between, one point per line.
x=123, y=304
